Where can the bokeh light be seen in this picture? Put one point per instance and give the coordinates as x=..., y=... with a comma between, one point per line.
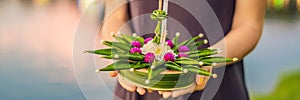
x=278, y=4
x=41, y=2
x=36, y=39
x=298, y=5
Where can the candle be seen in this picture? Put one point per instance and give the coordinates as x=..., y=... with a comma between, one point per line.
x=163, y=34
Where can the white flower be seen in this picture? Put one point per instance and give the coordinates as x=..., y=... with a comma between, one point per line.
x=159, y=50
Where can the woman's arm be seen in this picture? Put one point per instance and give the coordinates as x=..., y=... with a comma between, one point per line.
x=246, y=29
x=116, y=15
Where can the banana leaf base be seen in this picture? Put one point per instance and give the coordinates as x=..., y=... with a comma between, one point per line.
x=163, y=81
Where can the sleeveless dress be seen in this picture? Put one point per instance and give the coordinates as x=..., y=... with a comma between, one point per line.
x=233, y=84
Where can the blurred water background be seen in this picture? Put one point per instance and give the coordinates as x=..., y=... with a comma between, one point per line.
x=36, y=38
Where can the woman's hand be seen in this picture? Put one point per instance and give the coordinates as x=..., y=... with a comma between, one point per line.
x=129, y=87
x=202, y=80
x=200, y=83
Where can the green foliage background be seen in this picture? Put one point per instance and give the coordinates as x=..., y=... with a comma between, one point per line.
x=288, y=88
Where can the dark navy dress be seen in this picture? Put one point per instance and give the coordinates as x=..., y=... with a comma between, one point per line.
x=233, y=84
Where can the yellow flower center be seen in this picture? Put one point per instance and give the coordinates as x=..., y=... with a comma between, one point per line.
x=158, y=51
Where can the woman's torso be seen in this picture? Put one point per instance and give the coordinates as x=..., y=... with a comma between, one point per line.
x=181, y=20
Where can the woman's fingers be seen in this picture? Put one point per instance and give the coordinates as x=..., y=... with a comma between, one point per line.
x=113, y=73
x=201, y=82
x=160, y=92
x=130, y=87
x=183, y=91
x=199, y=79
x=150, y=91
x=199, y=87
x=207, y=68
x=127, y=86
x=141, y=90
x=166, y=94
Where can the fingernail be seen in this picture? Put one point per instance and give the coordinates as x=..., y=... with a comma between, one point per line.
x=150, y=91
x=140, y=90
x=160, y=92
x=200, y=80
x=127, y=86
x=167, y=94
x=113, y=73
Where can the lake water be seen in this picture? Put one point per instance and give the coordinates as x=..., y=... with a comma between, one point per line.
x=36, y=54
x=277, y=53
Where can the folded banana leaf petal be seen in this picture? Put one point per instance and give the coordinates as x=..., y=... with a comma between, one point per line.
x=160, y=82
x=216, y=59
x=107, y=52
x=133, y=57
x=132, y=38
x=173, y=66
x=155, y=69
x=107, y=43
x=158, y=63
x=154, y=72
x=186, y=42
x=201, y=51
x=122, y=39
x=186, y=61
x=127, y=38
x=175, y=39
x=122, y=46
x=203, y=54
x=142, y=65
x=198, y=71
x=140, y=39
x=121, y=65
x=195, y=45
x=192, y=40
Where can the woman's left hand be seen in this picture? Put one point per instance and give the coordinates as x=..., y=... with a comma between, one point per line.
x=200, y=85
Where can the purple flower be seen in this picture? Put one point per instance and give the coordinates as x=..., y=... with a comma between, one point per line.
x=169, y=57
x=170, y=43
x=147, y=40
x=182, y=54
x=136, y=44
x=135, y=50
x=149, y=57
x=183, y=49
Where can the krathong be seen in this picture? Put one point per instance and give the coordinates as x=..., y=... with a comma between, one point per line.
x=158, y=63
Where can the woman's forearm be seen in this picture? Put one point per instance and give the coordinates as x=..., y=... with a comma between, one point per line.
x=246, y=29
x=239, y=42
x=116, y=15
